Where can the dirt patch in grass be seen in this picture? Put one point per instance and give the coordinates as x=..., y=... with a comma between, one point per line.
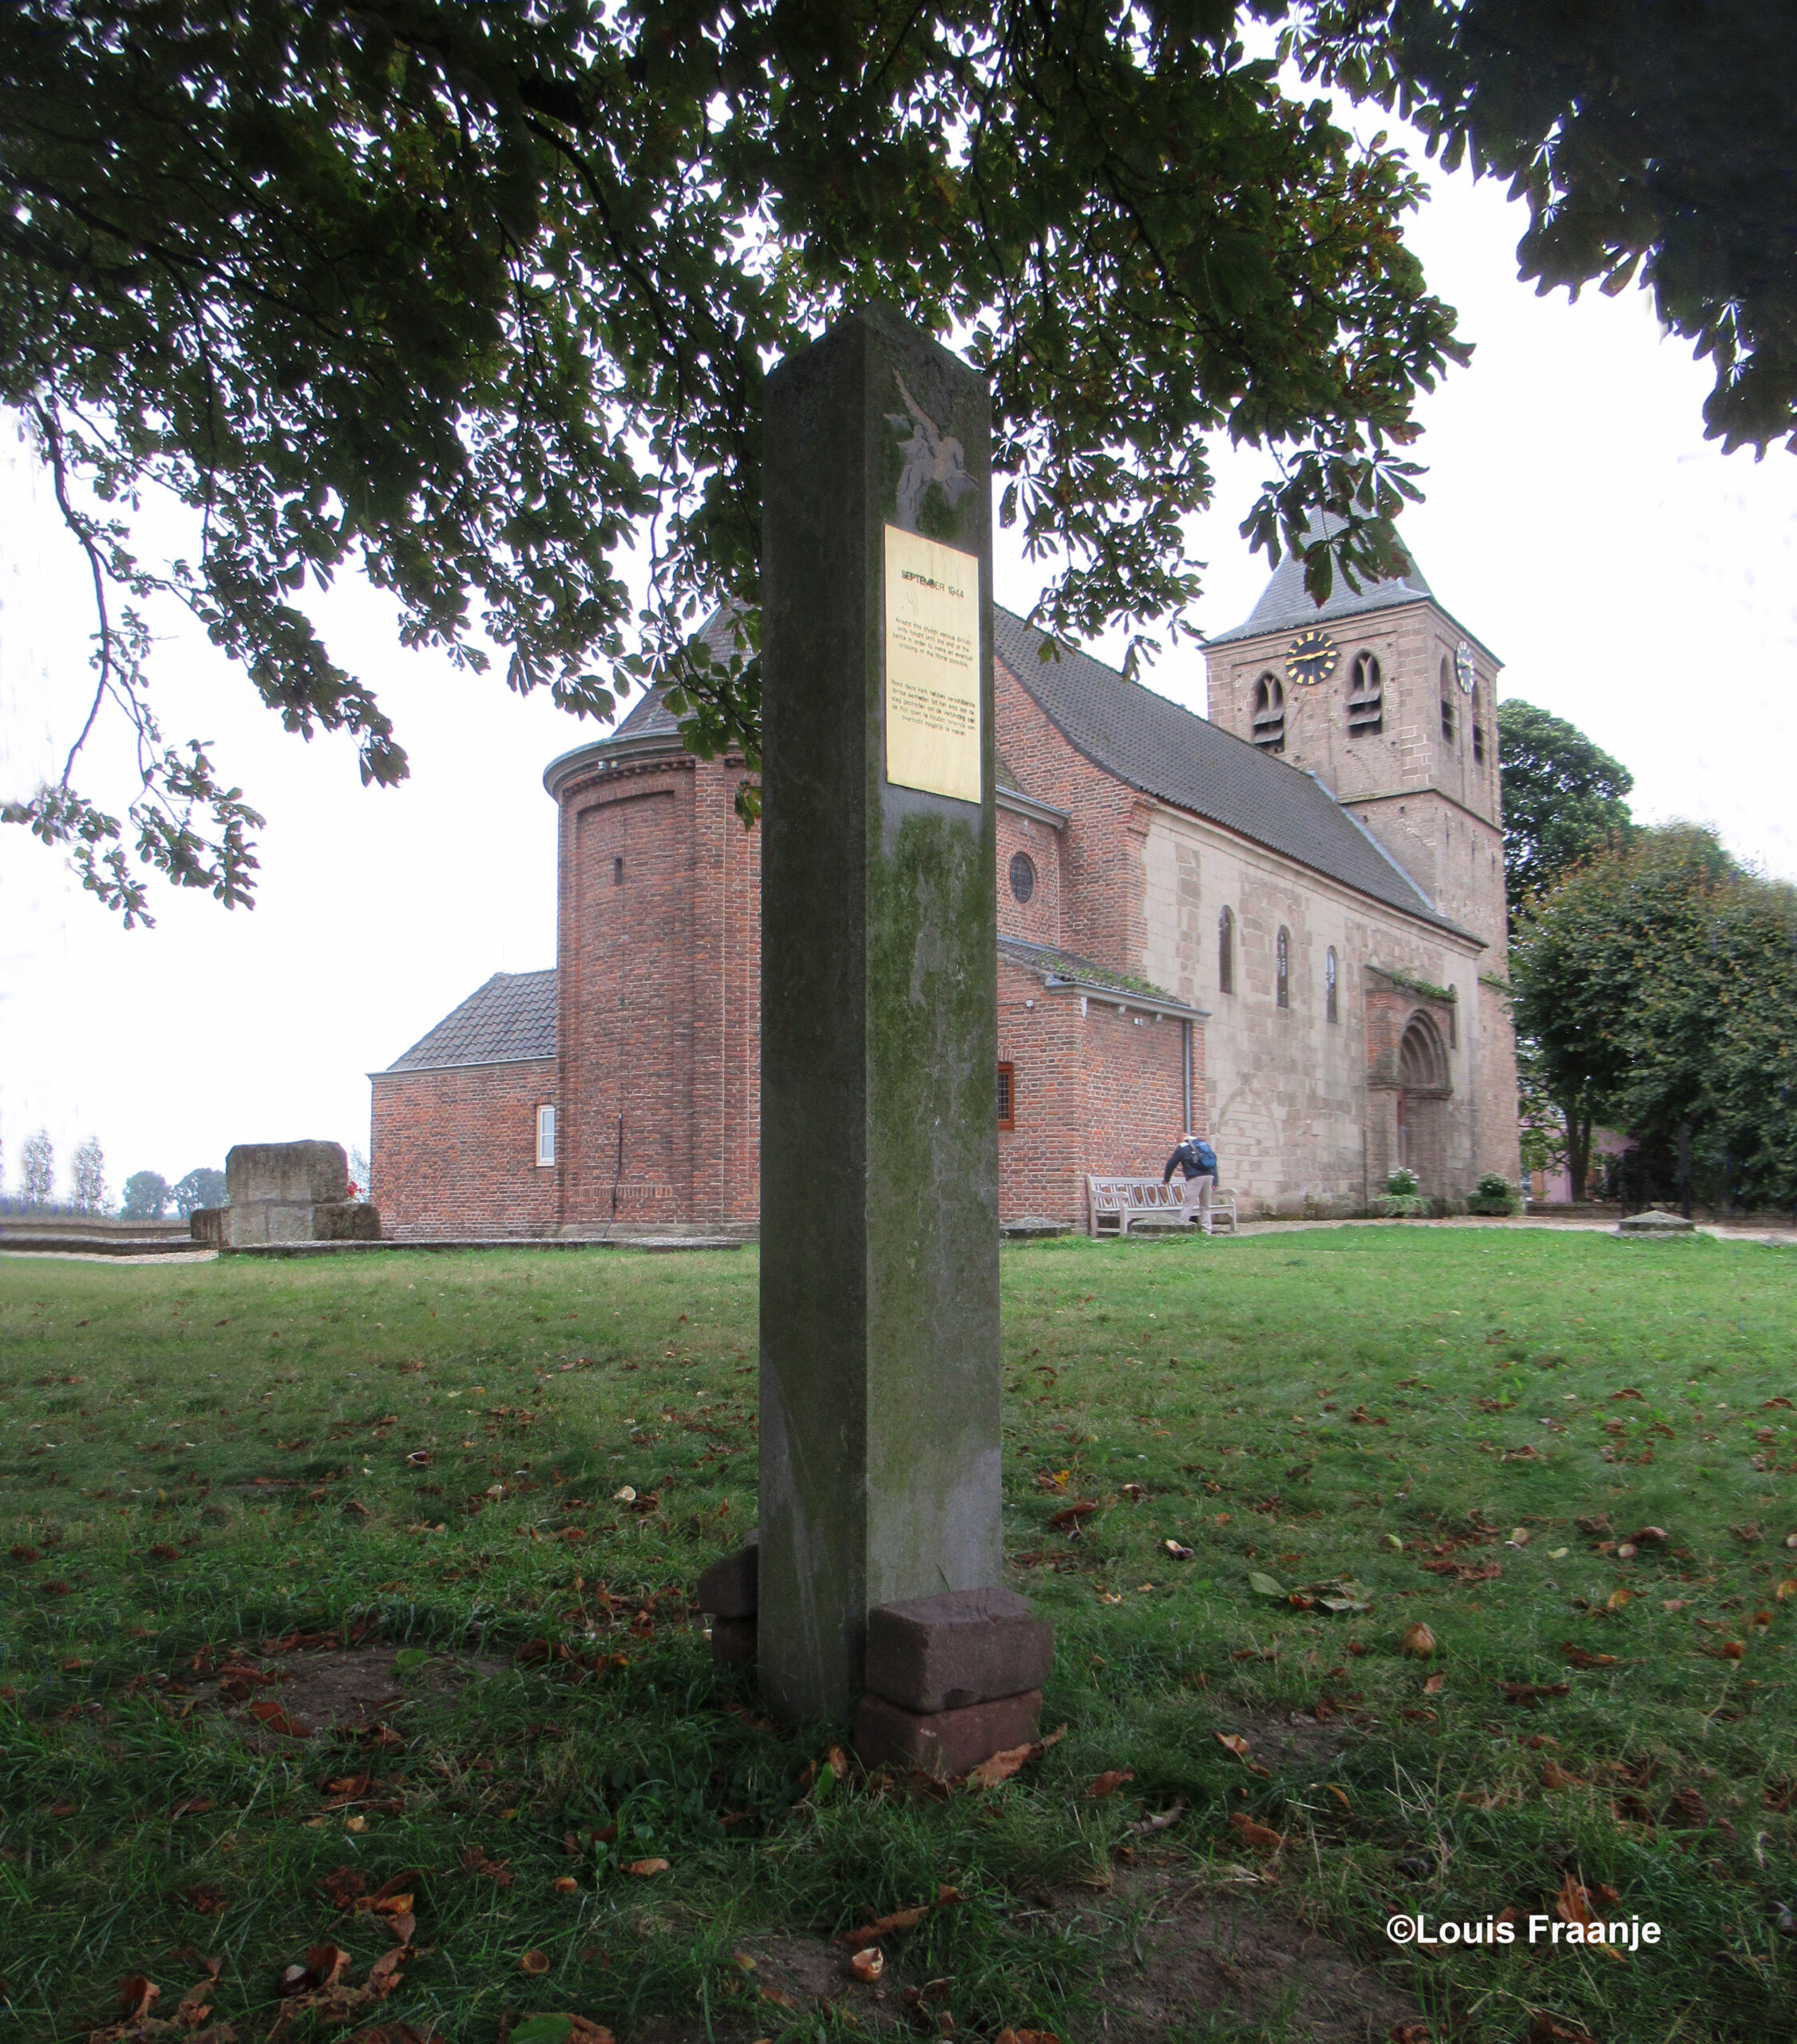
x=1279, y=1737
x=1202, y=1951
x=1212, y=1954
x=347, y=1689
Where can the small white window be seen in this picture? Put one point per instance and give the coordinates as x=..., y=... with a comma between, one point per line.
x=545, y=1136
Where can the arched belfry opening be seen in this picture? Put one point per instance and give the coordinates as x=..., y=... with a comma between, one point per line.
x=1423, y=1084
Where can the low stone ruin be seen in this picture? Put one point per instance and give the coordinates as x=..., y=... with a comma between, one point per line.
x=287, y=1192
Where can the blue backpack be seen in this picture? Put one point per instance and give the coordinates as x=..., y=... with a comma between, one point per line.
x=1207, y=1157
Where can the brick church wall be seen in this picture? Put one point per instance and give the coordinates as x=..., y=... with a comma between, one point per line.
x=1094, y=1090
x=454, y=1152
x=1037, y=919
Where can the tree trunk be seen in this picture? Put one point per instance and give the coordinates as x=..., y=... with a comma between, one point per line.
x=1578, y=1151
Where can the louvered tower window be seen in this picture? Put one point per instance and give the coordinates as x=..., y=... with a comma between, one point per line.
x=1446, y=704
x=1366, y=698
x=1269, y=713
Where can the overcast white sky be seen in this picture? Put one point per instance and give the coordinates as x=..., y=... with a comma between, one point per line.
x=1632, y=578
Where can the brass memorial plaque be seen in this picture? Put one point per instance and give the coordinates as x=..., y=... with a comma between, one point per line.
x=932, y=667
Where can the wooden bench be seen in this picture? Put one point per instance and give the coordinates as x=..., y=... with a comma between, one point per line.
x=1119, y=1204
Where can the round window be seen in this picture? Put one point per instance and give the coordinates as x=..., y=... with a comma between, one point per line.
x=1023, y=876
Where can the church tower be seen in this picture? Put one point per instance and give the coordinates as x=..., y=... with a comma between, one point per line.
x=1391, y=703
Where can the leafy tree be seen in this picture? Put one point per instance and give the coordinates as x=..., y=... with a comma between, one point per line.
x=201, y=1187
x=37, y=1169
x=465, y=293
x=1652, y=144
x=1657, y=989
x=90, y=1166
x=147, y=1194
x=1564, y=799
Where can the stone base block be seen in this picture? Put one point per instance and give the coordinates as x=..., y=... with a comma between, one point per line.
x=964, y=1646
x=346, y=1221
x=1655, y=1222
x=730, y=1589
x=945, y=1742
x=733, y=1642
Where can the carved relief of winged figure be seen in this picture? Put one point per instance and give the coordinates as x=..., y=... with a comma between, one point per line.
x=930, y=456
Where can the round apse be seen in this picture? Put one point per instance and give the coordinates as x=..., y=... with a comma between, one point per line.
x=1023, y=876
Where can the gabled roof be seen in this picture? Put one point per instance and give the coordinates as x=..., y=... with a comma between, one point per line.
x=1155, y=747
x=510, y=1019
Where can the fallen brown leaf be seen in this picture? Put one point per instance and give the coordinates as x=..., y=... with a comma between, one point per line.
x=1109, y=1782
x=1572, y=1905
x=1028, y=2036
x=1691, y=1812
x=1435, y=1685
x=644, y=1867
x=900, y=1920
x=497, y=1871
x=989, y=1774
x=1545, y=2029
x=566, y=1884
x=1580, y=1657
x=270, y=1714
x=1410, y=2033
x=1071, y=1514
x=138, y=1995
x=1530, y=1694
x=534, y=1963
x=1258, y=1835
x=330, y=1998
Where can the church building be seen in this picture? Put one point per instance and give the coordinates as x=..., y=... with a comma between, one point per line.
x=1283, y=926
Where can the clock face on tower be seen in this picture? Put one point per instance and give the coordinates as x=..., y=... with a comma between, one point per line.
x=1464, y=671
x=1311, y=658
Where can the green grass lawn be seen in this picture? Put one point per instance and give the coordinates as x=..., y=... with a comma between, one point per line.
x=394, y=1482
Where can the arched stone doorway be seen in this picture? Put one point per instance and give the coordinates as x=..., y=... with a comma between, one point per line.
x=1423, y=1084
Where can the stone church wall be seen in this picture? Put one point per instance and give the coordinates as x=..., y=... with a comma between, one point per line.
x=1297, y=1126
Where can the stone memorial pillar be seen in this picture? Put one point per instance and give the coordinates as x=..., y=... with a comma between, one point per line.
x=879, y=1443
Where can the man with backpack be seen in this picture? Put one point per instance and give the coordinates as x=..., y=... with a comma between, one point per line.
x=1197, y=1160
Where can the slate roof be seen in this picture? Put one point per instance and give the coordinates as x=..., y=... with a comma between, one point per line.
x=511, y=1018
x=1053, y=963
x=651, y=716
x=1286, y=605
x=1155, y=746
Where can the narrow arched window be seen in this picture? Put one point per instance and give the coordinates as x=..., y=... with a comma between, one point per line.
x=1329, y=1009
x=1366, y=698
x=1446, y=702
x=1226, y=952
x=1269, y=713
x=1282, y=967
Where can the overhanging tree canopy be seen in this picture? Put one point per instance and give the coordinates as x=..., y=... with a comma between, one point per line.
x=464, y=294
